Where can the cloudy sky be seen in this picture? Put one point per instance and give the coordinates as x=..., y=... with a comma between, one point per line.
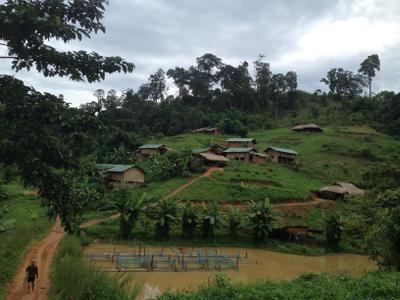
x=306, y=36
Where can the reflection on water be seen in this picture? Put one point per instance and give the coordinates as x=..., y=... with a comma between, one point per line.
x=254, y=264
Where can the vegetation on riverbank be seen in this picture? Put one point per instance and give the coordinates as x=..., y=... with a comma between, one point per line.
x=375, y=285
x=72, y=278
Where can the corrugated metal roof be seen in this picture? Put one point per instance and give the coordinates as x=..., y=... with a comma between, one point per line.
x=284, y=150
x=151, y=146
x=117, y=168
x=200, y=150
x=239, y=150
x=241, y=140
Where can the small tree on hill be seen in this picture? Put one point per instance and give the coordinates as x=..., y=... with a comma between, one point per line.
x=165, y=215
x=211, y=219
x=129, y=203
x=334, y=230
x=261, y=219
x=189, y=220
x=234, y=221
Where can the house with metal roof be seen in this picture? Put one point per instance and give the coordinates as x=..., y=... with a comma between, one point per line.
x=118, y=174
x=151, y=150
x=241, y=142
x=282, y=155
x=243, y=153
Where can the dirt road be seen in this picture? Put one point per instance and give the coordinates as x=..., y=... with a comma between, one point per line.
x=209, y=172
x=43, y=253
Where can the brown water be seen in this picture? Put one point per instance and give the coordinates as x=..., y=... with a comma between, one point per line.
x=259, y=264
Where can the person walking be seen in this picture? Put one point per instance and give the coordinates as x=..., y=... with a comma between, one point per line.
x=33, y=274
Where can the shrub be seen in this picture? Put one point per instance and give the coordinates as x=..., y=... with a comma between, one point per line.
x=72, y=278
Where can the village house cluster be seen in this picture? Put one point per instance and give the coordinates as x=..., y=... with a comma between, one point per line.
x=238, y=148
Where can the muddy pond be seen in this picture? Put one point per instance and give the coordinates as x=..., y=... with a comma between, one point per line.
x=252, y=264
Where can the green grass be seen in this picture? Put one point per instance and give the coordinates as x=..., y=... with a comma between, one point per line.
x=30, y=225
x=375, y=285
x=336, y=154
x=161, y=189
x=73, y=278
x=244, y=182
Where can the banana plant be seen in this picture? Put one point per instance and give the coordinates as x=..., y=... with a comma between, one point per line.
x=189, y=220
x=261, y=219
x=211, y=219
x=165, y=215
x=129, y=203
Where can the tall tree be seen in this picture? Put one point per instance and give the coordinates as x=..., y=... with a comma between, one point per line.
x=263, y=75
x=344, y=83
x=155, y=88
x=368, y=68
x=48, y=136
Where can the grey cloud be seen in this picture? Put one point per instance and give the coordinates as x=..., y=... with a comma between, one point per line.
x=164, y=33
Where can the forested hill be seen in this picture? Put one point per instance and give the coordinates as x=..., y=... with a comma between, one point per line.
x=212, y=93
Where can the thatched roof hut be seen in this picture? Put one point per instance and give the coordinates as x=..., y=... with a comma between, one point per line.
x=307, y=128
x=340, y=189
x=241, y=142
x=207, y=130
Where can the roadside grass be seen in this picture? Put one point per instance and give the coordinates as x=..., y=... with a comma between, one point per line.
x=161, y=189
x=374, y=285
x=30, y=225
x=73, y=278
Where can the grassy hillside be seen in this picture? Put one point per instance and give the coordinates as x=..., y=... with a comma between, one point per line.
x=29, y=226
x=335, y=154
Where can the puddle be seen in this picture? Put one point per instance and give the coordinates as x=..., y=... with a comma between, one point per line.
x=254, y=264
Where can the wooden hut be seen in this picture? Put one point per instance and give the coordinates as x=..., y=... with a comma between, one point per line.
x=339, y=190
x=243, y=154
x=241, y=142
x=214, y=160
x=208, y=130
x=151, y=150
x=307, y=128
x=258, y=158
x=208, y=157
x=282, y=155
x=116, y=174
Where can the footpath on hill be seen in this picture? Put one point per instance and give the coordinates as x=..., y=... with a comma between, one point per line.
x=44, y=251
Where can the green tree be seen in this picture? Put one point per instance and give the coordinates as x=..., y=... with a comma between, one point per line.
x=211, y=219
x=344, y=83
x=189, y=220
x=155, y=88
x=165, y=215
x=234, y=221
x=334, y=230
x=67, y=194
x=129, y=203
x=368, y=68
x=261, y=219
x=26, y=26
x=385, y=233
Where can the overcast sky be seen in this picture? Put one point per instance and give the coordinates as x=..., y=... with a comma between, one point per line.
x=306, y=36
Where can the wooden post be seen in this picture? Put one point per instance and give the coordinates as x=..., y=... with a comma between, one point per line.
x=152, y=262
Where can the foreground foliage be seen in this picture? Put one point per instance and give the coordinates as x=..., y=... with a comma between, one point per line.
x=72, y=278
x=378, y=285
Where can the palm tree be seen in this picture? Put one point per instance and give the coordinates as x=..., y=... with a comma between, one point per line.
x=234, y=221
x=211, y=219
x=129, y=203
x=261, y=219
x=189, y=220
x=165, y=215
